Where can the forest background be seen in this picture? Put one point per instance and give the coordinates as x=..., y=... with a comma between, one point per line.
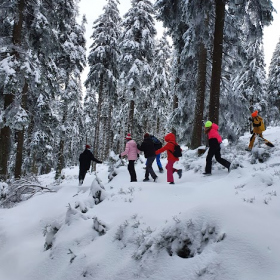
x=136, y=81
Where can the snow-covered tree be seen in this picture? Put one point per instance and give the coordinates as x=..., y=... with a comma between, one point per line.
x=137, y=52
x=104, y=70
x=274, y=86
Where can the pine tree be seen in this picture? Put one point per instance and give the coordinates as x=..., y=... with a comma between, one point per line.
x=274, y=86
x=104, y=71
x=137, y=50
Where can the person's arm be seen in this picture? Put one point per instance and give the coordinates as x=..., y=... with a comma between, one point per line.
x=95, y=159
x=161, y=150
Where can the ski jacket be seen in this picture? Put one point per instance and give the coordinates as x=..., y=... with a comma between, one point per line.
x=213, y=133
x=85, y=158
x=147, y=147
x=258, y=125
x=131, y=150
x=169, y=147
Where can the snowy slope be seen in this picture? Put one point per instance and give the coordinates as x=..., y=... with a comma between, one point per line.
x=222, y=227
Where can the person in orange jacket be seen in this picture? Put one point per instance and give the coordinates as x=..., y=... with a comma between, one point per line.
x=258, y=128
x=171, y=159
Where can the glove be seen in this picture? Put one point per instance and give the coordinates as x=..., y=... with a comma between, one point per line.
x=120, y=156
x=251, y=131
x=138, y=155
x=250, y=119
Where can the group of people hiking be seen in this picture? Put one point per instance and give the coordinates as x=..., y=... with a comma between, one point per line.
x=152, y=149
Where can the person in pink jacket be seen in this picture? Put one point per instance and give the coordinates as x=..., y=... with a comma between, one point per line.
x=215, y=139
x=131, y=152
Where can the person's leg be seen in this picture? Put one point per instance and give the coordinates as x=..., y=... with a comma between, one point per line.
x=252, y=140
x=159, y=163
x=221, y=160
x=150, y=169
x=266, y=141
x=82, y=175
x=169, y=168
x=208, y=167
x=131, y=170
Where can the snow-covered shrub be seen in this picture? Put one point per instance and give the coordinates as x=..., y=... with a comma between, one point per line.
x=113, y=159
x=49, y=232
x=98, y=226
x=19, y=190
x=259, y=154
x=97, y=190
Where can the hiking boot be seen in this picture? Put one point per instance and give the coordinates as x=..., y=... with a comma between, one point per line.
x=248, y=149
x=229, y=169
x=171, y=183
x=155, y=179
x=179, y=173
x=80, y=182
x=161, y=170
x=207, y=174
x=146, y=180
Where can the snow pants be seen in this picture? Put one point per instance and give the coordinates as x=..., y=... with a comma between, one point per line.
x=215, y=151
x=252, y=140
x=131, y=171
x=149, y=168
x=170, y=170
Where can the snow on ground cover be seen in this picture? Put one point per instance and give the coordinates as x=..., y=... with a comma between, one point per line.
x=225, y=226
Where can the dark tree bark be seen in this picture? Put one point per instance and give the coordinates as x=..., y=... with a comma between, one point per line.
x=217, y=62
x=5, y=134
x=130, y=116
x=20, y=136
x=200, y=97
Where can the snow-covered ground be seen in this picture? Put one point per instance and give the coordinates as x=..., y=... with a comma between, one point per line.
x=223, y=227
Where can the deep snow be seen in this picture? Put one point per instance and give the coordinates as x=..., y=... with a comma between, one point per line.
x=227, y=224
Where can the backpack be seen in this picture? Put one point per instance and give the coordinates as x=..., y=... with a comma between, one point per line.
x=177, y=151
x=156, y=142
x=262, y=127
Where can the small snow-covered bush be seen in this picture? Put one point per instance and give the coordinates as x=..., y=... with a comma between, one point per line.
x=19, y=190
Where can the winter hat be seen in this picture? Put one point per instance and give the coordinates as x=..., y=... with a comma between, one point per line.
x=254, y=114
x=208, y=124
x=128, y=136
x=146, y=135
x=87, y=146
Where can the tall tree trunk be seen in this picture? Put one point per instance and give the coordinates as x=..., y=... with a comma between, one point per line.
x=96, y=149
x=5, y=134
x=217, y=62
x=109, y=134
x=60, y=157
x=200, y=96
x=130, y=116
x=175, y=106
x=20, y=135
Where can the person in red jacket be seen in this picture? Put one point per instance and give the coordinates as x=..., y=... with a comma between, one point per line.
x=171, y=159
x=215, y=139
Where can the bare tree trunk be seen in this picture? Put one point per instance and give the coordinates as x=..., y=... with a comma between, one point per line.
x=60, y=158
x=200, y=96
x=98, y=122
x=130, y=116
x=5, y=134
x=175, y=106
x=217, y=62
x=20, y=136
x=109, y=131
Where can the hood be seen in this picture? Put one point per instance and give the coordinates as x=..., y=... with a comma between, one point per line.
x=170, y=137
x=215, y=126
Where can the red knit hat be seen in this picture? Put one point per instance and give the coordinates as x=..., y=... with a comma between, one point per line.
x=146, y=135
x=87, y=146
x=254, y=114
x=128, y=136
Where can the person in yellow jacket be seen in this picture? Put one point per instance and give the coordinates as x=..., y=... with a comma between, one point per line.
x=258, y=128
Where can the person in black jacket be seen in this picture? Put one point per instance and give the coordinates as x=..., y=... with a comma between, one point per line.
x=148, y=148
x=85, y=159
